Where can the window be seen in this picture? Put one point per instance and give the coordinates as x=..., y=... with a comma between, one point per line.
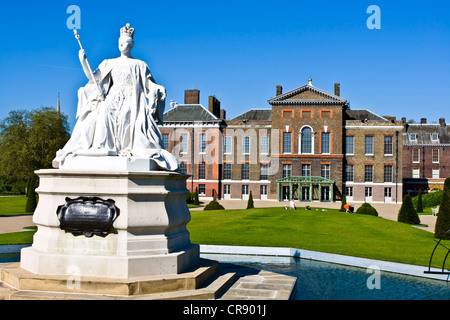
x=306, y=170
x=245, y=190
x=435, y=137
x=264, y=145
x=245, y=145
x=388, y=192
x=435, y=155
x=416, y=173
x=202, y=143
x=435, y=174
x=183, y=143
x=413, y=137
x=368, y=192
x=349, y=176
x=245, y=171
x=388, y=146
x=287, y=142
x=264, y=171
x=227, y=145
x=369, y=145
x=227, y=171
x=368, y=173
x=183, y=167
x=416, y=155
x=306, y=141
x=263, y=190
x=202, y=171
x=202, y=189
x=287, y=170
x=166, y=141
x=227, y=189
x=388, y=174
x=349, y=191
x=325, y=143
x=350, y=145
x=326, y=171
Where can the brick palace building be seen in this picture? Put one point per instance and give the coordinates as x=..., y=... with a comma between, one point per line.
x=308, y=146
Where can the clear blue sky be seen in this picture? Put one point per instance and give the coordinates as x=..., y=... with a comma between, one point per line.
x=236, y=50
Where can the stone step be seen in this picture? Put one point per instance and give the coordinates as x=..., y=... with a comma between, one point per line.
x=210, y=292
x=22, y=280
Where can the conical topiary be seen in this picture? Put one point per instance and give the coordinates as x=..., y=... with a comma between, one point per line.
x=407, y=213
x=419, y=205
x=343, y=203
x=443, y=219
x=250, y=204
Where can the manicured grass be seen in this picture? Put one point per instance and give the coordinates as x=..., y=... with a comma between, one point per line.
x=17, y=238
x=324, y=231
x=12, y=206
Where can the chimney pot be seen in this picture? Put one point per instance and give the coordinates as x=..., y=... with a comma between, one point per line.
x=442, y=122
x=423, y=120
x=279, y=90
x=337, y=89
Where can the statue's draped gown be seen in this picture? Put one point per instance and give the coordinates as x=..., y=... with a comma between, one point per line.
x=124, y=124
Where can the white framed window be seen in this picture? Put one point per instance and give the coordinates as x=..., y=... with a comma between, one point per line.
x=350, y=145
x=349, y=173
x=368, y=173
x=435, y=155
x=166, y=141
x=202, y=143
x=306, y=170
x=227, y=145
x=388, y=173
x=434, y=137
x=202, y=189
x=287, y=170
x=369, y=145
x=245, y=171
x=227, y=171
x=388, y=146
x=416, y=173
x=183, y=144
x=264, y=145
x=326, y=171
x=413, y=137
x=264, y=171
x=326, y=143
x=416, y=155
x=287, y=142
x=246, y=145
x=306, y=141
x=435, y=174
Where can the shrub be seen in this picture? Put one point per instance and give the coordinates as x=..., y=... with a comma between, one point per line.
x=419, y=205
x=443, y=219
x=213, y=205
x=407, y=213
x=429, y=200
x=250, y=204
x=367, y=209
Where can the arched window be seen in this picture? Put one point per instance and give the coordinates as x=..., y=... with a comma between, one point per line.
x=306, y=141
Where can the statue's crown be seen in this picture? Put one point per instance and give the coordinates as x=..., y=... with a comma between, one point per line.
x=127, y=31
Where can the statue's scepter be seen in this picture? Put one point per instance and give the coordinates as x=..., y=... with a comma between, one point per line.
x=77, y=36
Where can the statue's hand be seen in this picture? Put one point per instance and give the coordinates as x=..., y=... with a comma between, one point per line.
x=82, y=55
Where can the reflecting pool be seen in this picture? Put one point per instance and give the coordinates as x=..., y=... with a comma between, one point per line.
x=327, y=281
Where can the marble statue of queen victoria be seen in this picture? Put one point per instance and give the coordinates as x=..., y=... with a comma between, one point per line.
x=118, y=110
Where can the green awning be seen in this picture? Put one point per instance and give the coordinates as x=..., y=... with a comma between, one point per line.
x=313, y=180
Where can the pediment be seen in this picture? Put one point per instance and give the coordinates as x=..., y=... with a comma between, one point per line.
x=307, y=94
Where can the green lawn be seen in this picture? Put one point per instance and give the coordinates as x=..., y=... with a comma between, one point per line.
x=325, y=231
x=12, y=206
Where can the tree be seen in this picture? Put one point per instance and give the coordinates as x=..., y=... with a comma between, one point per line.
x=367, y=209
x=213, y=205
x=196, y=200
x=250, y=204
x=419, y=205
x=343, y=203
x=29, y=141
x=407, y=213
x=443, y=219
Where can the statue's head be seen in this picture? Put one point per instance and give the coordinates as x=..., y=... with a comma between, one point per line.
x=126, y=41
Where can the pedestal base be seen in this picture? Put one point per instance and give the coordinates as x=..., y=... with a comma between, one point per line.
x=148, y=238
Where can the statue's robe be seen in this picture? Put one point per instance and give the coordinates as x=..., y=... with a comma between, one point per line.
x=144, y=106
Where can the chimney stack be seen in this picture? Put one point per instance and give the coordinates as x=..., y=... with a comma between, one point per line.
x=279, y=90
x=192, y=96
x=442, y=122
x=223, y=114
x=214, y=106
x=337, y=89
x=423, y=121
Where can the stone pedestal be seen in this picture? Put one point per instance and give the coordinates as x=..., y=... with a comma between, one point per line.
x=148, y=238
